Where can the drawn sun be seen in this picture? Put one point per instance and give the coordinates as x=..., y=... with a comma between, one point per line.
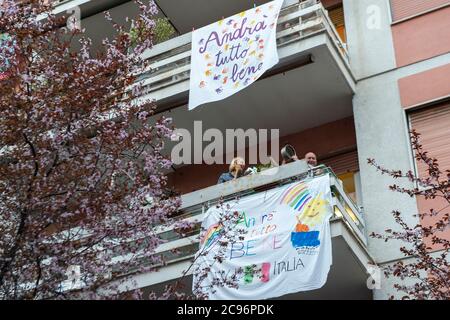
x=314, y=212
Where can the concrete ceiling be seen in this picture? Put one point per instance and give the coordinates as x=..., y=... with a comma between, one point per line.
x=94, y=7
x=187, y=14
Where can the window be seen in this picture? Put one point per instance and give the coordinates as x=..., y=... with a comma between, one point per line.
x=433, y=125
x=348, y=182
x=337, y=17
x=346, y=168
x=403, y=9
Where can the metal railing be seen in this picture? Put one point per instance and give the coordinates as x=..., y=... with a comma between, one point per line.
x=177, y=247
x=195, y=204
x=170, y=60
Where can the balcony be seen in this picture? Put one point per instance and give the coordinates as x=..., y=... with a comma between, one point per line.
x=312, y=85
x=348, y=274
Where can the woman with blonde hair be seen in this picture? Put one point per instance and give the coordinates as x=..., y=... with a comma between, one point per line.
x=235, y=171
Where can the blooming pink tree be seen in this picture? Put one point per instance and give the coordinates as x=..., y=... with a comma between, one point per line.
x=82, y=181
x=427, y=244
x=207, y=279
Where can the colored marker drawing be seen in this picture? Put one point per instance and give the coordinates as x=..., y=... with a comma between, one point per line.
x=255, y=274
x=305, y=239
x=296, y=196
x=312, y=215
x=211, y=235
x=314, y=212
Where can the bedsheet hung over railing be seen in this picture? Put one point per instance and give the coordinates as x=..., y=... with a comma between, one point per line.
x=274, y=242
x=229, y=55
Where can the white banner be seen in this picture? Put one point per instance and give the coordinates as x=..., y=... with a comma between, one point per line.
x=279, y=244
x=229, y=55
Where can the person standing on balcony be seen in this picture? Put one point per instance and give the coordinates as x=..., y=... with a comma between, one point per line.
x=236, y=171
x=311, y=159
x=289, y=155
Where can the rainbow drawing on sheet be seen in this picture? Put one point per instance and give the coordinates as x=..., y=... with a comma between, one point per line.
x=297, y=196
x=211, y=235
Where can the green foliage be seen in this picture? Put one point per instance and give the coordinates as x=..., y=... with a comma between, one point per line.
x=163, y=30
x=261, y=167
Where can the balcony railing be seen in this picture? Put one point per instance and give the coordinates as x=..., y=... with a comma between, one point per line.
x=195, y=204
x=177, y=248
x=170, y=60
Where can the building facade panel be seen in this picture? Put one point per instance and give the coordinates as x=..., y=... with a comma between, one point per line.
x=403, y=9
x=425, y=86
x=344, y=163
x=382, y=135
x=369, y=37
x=423, y=37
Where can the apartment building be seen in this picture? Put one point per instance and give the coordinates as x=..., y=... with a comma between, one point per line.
x=354, y=77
